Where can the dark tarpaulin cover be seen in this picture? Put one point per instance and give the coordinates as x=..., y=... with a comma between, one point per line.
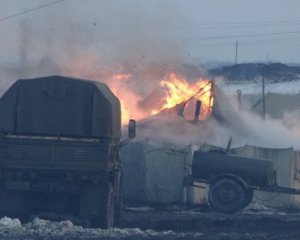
x=63, y=106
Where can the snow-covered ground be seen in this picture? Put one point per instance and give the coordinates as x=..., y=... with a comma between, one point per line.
x=44, y=229
x=149, y=223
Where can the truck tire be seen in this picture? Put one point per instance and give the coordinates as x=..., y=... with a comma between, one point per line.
x=109, y=213
x=97, y=205
x=227, y=196
x=118, y=206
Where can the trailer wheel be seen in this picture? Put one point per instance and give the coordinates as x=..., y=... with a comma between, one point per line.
x=227, y=196
x=248, y=198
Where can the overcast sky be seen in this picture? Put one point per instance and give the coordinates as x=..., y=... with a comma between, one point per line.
x=151, y=30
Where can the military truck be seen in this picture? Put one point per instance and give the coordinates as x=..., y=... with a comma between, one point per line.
x=59, y=142
x=232, y=179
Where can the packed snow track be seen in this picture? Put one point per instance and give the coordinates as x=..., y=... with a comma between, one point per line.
x=148, y=223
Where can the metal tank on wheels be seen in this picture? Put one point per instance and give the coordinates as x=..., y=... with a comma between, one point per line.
x=231, y=178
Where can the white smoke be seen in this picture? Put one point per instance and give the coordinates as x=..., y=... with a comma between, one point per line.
x=244, y=127
x=95, y=42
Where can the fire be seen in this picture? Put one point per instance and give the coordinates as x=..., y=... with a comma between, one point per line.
x=172, y=90
x=116, y=85
x=178, y=90
x=121, y=76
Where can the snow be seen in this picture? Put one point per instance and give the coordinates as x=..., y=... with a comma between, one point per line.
x=261, y=209
x=140, y=209
x=45, y=229
x=9, y=223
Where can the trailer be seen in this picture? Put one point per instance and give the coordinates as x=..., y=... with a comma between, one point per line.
x=232, y=179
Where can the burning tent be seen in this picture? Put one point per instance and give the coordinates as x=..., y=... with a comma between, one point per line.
x=156, y=164
x=203, y=117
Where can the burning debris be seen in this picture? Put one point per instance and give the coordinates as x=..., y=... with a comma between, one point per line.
x=181, y=95
x=174, y=91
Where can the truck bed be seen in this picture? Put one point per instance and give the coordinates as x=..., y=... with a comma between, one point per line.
x=54, y=153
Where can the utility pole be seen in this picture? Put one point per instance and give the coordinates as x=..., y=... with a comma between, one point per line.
x=239, y=98
x=236, y=51
x=263, y=98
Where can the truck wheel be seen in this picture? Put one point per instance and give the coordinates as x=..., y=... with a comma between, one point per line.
x=109, y=213
x=97, y=205
x=118, y=204
x=227, y=196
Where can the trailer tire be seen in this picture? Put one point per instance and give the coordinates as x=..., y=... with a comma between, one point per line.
x=248, y=198
x=227, y=196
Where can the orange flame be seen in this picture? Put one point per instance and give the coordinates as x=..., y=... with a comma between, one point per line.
x=116, y=87
x=178, y=90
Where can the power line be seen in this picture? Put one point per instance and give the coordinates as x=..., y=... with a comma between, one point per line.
x=213, y=25
x=255, y=23
x=250, y=35
x=259, y=42
x=236, y=51
x=247, y=43
x=247, y=35
x=236, y=26
x=281, y=43
x=239, y=25
x=251, y=22
x=30, y=10
x=270, y=40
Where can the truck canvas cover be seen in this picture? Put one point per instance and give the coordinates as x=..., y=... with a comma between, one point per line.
x=59, y=105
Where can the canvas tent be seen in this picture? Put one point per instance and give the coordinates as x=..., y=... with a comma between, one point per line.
x=154, y=172
x=287, y=165
x=156, y=164
x=160, y=171
x=58, y=105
